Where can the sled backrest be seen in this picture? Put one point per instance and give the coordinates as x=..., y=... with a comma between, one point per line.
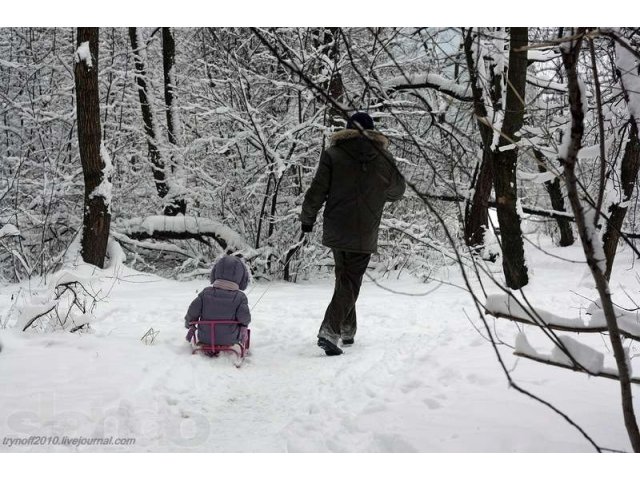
x=213, y=324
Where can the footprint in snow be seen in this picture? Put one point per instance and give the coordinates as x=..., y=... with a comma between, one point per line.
x=446, y=375
x=410, y=386
x=479, y=380
x=432, y=404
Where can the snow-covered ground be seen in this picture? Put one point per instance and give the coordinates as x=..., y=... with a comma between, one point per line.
x=420, y=377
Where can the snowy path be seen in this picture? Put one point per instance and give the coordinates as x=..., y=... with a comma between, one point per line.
x=419, y=378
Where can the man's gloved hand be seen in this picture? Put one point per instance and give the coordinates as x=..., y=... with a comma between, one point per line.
x=307, y=228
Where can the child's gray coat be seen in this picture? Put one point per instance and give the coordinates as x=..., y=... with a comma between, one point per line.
x=222, y=304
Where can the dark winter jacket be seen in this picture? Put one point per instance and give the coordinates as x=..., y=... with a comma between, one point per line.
x=223, y=302
x=355, y=178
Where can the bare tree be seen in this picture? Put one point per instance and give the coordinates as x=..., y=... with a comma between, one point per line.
x=587, y=230
x=148, y=118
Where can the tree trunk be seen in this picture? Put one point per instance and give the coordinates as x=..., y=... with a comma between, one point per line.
x=628, y=175
x=168, y=63
x=97, y=216
x=157, y=165
x=557, y=201
x=570, y=59
x=176, y=205
x=513, y=261
x=476, y=211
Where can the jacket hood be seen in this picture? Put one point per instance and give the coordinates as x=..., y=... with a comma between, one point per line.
x=232, y=269
x=348, y=134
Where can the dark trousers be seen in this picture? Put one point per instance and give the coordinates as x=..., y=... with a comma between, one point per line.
x=340, y=317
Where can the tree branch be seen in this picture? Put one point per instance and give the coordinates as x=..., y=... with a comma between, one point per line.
x=563, y=328
x=548, y=361
x=438, y=83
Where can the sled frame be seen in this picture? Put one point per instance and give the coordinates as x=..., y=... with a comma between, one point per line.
x=214, y=349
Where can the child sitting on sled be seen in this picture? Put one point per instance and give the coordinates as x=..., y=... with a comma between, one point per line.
x=223, y=300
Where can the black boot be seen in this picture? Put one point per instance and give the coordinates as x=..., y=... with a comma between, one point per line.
x=329, y=348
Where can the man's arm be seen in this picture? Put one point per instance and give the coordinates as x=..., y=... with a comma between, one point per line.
x=397, y=187
x=317, y=193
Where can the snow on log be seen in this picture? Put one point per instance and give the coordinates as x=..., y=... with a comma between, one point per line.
x=609, y=373
x=546, y=83
x=628, y=322
x=523, y=346
x=538, y=178
x=183, y=227
x=506, y=306
x=591, y=360
x=158, y=246
x=433, y=81
x=542, y=55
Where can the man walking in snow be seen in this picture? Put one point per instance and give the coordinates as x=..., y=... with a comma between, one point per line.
x=355, y=178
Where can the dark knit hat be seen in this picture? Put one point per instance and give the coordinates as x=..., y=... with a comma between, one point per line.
x=364, y=121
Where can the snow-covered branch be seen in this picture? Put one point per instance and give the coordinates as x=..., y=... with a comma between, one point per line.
x=184, y=227
x=432, y=81
x=546, y=359
x=507, y=307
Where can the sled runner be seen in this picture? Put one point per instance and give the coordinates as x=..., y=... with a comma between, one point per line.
x=209, y=346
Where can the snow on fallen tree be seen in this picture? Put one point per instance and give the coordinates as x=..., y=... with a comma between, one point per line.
x=573, y=355
x=547, y=83
x=590, y=359
x=567, y=352
x=182, y=227
x=431, y=81
x=508, y=307
x=158, y=246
